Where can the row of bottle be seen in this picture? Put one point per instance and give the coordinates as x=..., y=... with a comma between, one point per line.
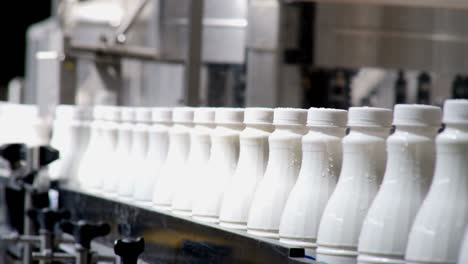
x=289, y=174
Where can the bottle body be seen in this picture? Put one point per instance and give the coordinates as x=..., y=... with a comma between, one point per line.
x=197, y=162
x=253, y=158
x=105, y=154
x=221, y=165
x=438, y=229
x=321, y=165
x=168, y=180
x=91, y=155
x=63, y=138
x=81, y=140
x=283, y=167
x=363, y=166
x=135, y=166
x=411, y=161
x=158, y=142
x=121, y=168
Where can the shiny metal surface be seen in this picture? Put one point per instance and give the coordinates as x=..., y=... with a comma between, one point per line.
x=356, y=36
x=455, y=4
x=171, y=239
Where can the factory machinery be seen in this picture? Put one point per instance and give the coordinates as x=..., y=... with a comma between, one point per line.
x=216, y=53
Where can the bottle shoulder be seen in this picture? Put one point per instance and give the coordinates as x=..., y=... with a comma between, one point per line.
x=404, y=137
x=313, y=137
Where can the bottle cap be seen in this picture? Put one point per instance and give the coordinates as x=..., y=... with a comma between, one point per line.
x=327, y=117
x=369, y=117
x=204, y=115
x=65, y=112
x=227, y=115
x=258, y=116
x=456, y=111
x=83, y=112
x=417, y=115
x=112, y=113
x=161, y=114
x=143, y=114
x=182, y=115
x=99, y=112
x=127, y=114
x=290, y=116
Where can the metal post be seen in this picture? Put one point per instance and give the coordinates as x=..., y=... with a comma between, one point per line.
x=193, y=59
x=27, y=228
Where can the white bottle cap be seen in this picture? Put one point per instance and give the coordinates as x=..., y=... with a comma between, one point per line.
x=227, y=115
x=456, y=111
x=182, y=115
x=65, y=112
x=204, y=115
x=327, y=117
x=99, y=112
x=112, y=113
x=83, y=113
x=369, y=117
x=127, y=114
x=290, y=116
x=162, y=115
x=258, y=116
x=417, y=115
x=143, y=114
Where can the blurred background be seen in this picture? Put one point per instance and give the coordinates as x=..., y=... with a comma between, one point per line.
x=296, y=53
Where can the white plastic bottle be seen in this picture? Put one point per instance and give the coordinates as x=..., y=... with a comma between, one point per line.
x=122, y=168
x=440, y=223
x=81, y=130
x=321, y=165
x=222, y=163
x=62, y=136
x=284, y=163
x=409, y=170
x=158, y=144
x=91, y=155
x=179, y=147
x=463, y=257
x=253, y=158
x=363, y=167
x=136, y=162
x=106, y=152
x=200, y=147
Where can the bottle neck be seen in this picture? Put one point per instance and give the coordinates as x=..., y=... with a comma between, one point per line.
x=263, y=127
x=377, y=131
x=334, y=131
x=456, y=127
x=418, y=130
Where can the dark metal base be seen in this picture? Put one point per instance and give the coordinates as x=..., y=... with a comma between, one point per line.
x=173, y=239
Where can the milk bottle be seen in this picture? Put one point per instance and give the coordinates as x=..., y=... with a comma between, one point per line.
x=62, y=136
x=136, y=166
x=173, y=168
x=284, y=162
x=321, y=164
x=409, y=170
x=223, y=160
x=253, y=158
x=91, y=156
x=363, y=167
x=108, y=142
x=200, y=147
x=440, y=223
x=158, y=143
x=122, y=169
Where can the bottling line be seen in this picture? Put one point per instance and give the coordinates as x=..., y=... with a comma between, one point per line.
x=239, y=131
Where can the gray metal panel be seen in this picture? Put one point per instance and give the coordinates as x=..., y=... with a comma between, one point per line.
x=224, y=26
x=392, y=37
x=262, y=79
